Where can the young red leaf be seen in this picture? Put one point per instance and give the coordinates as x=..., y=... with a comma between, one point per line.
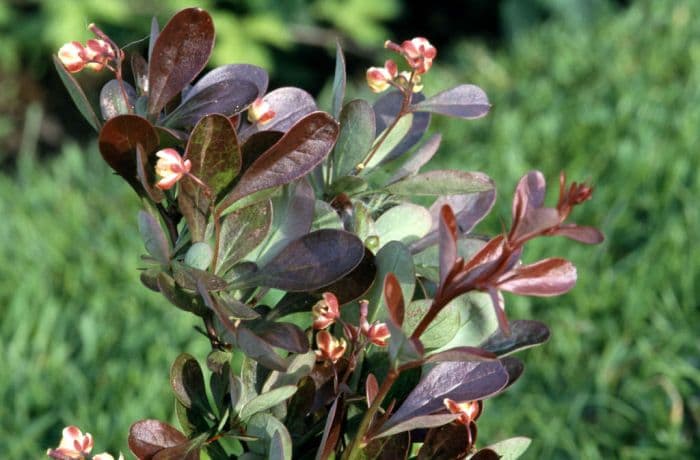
x=545, y=278
x=447, y=231
x=180, y=52
x=394, y=298
x=582, y=234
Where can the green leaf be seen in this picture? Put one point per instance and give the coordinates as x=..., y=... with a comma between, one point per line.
x=325, y=217
x=436, y=183
x=292, y=214
x=266, y=400
x=299, y=367
x=216, y=160
x=406, y=223
x=512, y=448
x=339, y=81
x=478, y=319
x=312, y=261
x=357, y=130
x=199, y=256
x=78, y=95
x=264, y=427
x=393, y=139
x=180, y=52
x=392, y=258
x=441, y=330
x=154, y=237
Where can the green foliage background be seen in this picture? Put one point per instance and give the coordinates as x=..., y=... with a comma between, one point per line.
x=611, y=95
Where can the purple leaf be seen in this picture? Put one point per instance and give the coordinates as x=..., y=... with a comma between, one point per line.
x=112, y=101
x=258, y=349
x=463, y=101
x=180, y=52
x=356, y=283
x=460, y=381
x=179, y=297
x=227, y=97
x=289, y=104
x=332, y=429
x=312, y=261
x=283, y=335
x=523, y=334
x=232, y=72
x=187, y=382
x=296, y=154
x=417, y=159
x=387, y=108
x=515, y=368
x=447, y=442
x=147, y=437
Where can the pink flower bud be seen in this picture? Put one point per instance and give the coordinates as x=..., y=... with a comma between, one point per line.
x=379, y=78
x=419, y=53
x=329, y=348
x=71, y=56
x=74, y=444
x=378, y=333
x=97, y=53
x=325, y=311
x=170, y=168
x=260, y=112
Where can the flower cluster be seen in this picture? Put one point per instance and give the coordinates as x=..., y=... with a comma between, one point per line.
x=75, y=445
x=327, y=311
x=419, y=55
x=94, y=55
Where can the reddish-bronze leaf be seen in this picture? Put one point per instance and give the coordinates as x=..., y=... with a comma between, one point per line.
x=180, y=52
x=118, y=140
x=447, y=231
x=296, y=154
x=548, y=277
x=447, y=442
x=147, y=437
x=394, y=298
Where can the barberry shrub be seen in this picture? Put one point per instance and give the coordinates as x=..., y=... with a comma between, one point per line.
x=345, y=320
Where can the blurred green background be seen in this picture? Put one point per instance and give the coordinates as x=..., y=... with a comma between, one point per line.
x=607, y=90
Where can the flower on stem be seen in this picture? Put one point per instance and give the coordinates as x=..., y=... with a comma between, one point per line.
x=71, y=56
x=329, y=348
x=418, y=52
x=97, y=54
x=468, y=412
x=379, y=78
x=325, y=311
x=378, y=332
x=74, y=444
x=260, y=112
x=170, y=168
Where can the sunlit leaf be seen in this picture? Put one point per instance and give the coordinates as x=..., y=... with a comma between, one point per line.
x=356, y=136
x=147, y=437
x=440, y=331
x=523, y=334
x=386, y=109
x=463, y=101
x=511, y=449
x=180, y=52
x=296, y=154
x=266, y=401
x=406, y=223
x=436, y=183
x=289, y=104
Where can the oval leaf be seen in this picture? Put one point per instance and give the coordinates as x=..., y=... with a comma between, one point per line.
x=314, y=260
x=147, y=437
x=112, y=101
x=463, y=101
x=266, y=428
x=441, y=330
x=406, y=223
x=180, y=52
x=523, y=334
x=289, y=104
x=118, y=140
x=296, y=154
x=266, y=401
x=357, y=131
x=436, y=183
x=187, y=382
x=241, y=232
x=78, y=95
